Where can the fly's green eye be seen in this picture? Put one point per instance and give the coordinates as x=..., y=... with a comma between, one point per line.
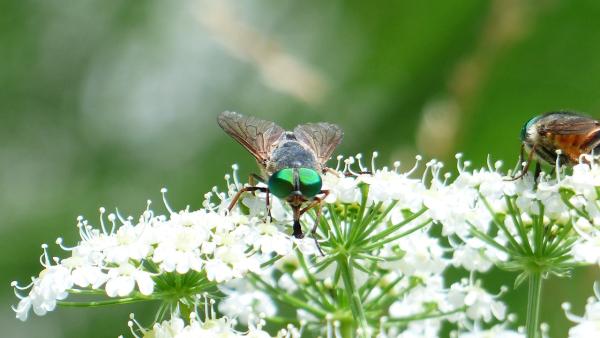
x=310, y=182
x=281, y=183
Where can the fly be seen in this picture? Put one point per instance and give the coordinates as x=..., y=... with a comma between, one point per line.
x=291, y=162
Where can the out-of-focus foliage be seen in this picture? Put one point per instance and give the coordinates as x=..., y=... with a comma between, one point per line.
x=104, y=102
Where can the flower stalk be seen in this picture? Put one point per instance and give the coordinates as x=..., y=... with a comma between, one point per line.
x=353, y=296
x=534, y=300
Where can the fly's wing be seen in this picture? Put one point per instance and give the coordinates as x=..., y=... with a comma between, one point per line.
x=569, y=124
x=322, y=138
x=258, y=136
x=571, y=133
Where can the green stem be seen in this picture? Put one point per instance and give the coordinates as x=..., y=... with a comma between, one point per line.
x=271, y=261
x=347, y=328
x=185, y=310
x=422, y=316
x=353, y=296
x=381, y=243
x=534, y=299
x=103, y=302
x=286, y=297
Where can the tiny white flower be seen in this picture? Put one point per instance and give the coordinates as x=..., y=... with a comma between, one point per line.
x=587, y=249
x=241, y=304
x=179, y=248
x=472, y=256
x=85, y=274
x=341, y=189
x=122, y=280
x=480, y=304
x=498, y=331
x=48, y=288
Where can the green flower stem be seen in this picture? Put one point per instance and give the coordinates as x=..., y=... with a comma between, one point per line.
x=347, y=328
x=500, y=225
x=516, y=217
x=384, y=293
x=127, y=300
x=353, y=296
x=185, y=310
x=366, y=225
x=489, y=240
x=566, y=230
x=422, y=316
x=322, y=298
x=565, y=196
x=393, y=228
x=282, y=320
x=356, y=228
x=286, y=297
x=375, y=221
x=533, y=304
x=384, y=300
x=337, y=230
x=381, y=243
x=271, y=261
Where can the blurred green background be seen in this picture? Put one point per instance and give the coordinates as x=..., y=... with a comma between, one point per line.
x=102, y=103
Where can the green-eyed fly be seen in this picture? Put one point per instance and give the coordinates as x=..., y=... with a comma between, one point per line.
x=291, y=162
x=558, y=136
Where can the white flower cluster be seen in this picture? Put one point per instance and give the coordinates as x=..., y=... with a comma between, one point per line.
x=589, y=324
x=125, y=259
x=52, y=285
x=403, y=265
x=211, y=326
x=374, y=231
x=485, y=206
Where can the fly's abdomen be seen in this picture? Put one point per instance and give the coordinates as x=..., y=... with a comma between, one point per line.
x=593, y=143
x=574, y=145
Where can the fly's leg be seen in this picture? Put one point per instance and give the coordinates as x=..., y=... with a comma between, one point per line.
x=522, y=156
x=536, y=175
x=316, y=203
x=526, y=167
x=297, y=227
x=243, y=190
x=268, y=201
x=253, y=179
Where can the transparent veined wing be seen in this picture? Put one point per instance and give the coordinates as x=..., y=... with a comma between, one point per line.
x=565, y=123
x=258, y=136
x=321, y=137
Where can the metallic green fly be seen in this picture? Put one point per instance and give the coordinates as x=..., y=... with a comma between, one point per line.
x=291, y=162
x=558, y=137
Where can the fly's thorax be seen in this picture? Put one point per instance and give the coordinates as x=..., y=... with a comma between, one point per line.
x=292, y=154
x=295, y=185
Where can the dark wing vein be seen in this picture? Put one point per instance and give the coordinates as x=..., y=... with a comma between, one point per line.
x=321, y=137
x=258, y=136
x=571, y=125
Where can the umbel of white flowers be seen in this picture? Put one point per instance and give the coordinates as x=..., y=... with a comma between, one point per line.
x=382, y=272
